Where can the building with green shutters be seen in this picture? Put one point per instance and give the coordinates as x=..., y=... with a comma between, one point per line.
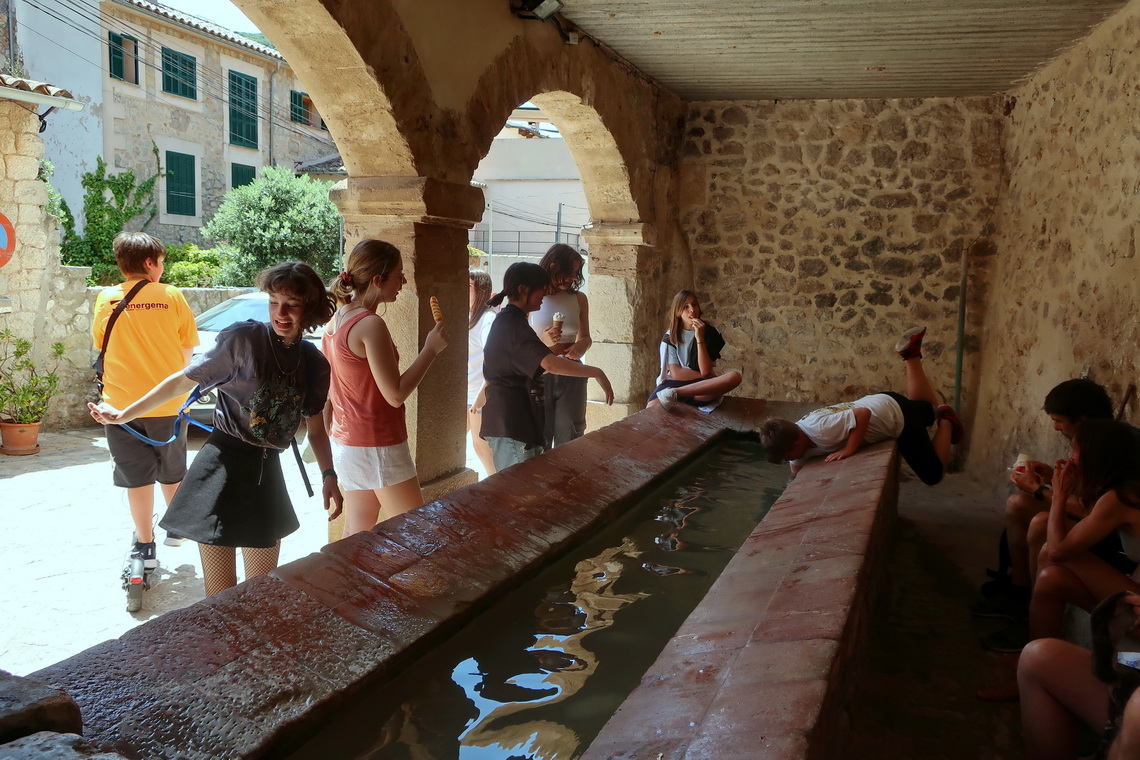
x=217, y=105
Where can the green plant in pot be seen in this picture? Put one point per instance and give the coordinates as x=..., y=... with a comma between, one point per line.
x=25, y=391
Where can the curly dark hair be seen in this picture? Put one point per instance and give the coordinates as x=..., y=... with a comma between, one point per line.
x=300, y=281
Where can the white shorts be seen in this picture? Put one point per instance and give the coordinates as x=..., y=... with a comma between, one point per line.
x=364, y=468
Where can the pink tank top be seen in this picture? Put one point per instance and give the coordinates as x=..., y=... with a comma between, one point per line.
x=361, y=414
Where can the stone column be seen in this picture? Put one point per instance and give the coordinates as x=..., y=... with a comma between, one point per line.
x=624, y=343
x=427, y=220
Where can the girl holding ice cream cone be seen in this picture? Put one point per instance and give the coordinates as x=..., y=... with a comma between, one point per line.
x=562, y=322
x=514, y=362
x=368, y=391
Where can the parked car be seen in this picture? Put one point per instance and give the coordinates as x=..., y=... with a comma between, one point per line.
x=213, y=320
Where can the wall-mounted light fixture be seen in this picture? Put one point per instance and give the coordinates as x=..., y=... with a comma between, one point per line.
x=542, y=9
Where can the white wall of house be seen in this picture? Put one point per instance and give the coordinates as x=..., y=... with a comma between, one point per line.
x=526, y=182
x=69, y=56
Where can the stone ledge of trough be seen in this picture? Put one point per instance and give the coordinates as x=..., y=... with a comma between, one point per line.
x=28, y=707
x=785, y=615
x=245, y=673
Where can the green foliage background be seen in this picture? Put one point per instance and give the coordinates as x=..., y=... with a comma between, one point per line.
x=278, y=217
x=109, y=202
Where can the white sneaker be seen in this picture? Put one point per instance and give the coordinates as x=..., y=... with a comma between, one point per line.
x=173, y=539
x=667, y=397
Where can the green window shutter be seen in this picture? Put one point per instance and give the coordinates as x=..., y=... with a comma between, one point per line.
x=243, y=110
x=179, y=74
x=115, y=49
x=242, y=174
x=297, y=110
x=181, y=189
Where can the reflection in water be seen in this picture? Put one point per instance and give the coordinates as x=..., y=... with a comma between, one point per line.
x=538, y=675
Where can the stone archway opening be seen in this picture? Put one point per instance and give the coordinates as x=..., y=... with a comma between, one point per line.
x=604, y=223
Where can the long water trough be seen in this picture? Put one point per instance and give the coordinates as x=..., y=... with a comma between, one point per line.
x=762, y=667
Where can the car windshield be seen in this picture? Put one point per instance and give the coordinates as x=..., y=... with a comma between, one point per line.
x=226, y=313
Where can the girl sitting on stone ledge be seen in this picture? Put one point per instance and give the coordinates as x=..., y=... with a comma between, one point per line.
x=839, y=430
x=689, y=349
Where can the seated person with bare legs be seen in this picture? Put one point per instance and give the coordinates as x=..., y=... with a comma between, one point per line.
x=1103, y=473
x=689, y=351
x=1067, y=690
x=1067, y=404
x=839, y=430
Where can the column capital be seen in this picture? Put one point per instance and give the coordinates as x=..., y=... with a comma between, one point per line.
x=620, y=233
x=419, y=200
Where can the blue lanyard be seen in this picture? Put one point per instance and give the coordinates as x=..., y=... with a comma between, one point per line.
x=182, y=415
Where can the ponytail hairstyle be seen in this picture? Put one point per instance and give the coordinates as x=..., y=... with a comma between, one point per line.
x=302, y=282
x=521, y=274
x=560, y=261
x=675, y=326
x=481, y=281
x=369, y=258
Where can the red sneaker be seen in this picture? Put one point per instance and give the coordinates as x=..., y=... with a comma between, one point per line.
x=910, y=344
x=957, y=429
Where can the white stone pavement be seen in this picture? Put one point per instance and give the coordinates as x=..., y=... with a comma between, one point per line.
x=66, y=533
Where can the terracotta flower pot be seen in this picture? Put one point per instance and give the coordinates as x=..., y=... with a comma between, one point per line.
x=18, y=439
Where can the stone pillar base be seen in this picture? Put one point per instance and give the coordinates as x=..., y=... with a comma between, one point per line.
x=598, y=415
x=431, y=490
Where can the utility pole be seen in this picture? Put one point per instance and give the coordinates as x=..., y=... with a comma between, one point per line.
x=490, y=230
x=558, y=229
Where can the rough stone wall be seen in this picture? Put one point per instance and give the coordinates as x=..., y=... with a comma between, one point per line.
x=43, y=309
x=134, y=122
x=819, y=230
x=1065, y=291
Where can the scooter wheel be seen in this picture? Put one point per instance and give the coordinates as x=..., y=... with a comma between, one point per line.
x=134, y=597
x=135, y=582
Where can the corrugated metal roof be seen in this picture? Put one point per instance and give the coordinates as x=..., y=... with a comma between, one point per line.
x=202, y=25
x=788, y=49
x=30, y=85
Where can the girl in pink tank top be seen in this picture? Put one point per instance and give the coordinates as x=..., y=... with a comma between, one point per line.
x=367, y=391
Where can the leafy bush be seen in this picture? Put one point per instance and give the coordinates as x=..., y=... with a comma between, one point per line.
x=277, y=217
x=188, y=266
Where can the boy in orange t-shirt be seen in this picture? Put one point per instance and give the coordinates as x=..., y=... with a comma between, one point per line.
x=152, y=339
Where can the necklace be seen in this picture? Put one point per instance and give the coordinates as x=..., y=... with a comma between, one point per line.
x=274, y=339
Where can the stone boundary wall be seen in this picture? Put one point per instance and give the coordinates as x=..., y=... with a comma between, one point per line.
x=765, y=665
x=260, y=667
x=819, y=230
x=1064, y=298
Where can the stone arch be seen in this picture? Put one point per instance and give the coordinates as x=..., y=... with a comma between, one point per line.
x=353, y=103
x=600, y=162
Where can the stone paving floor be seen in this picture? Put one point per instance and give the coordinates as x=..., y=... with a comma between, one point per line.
x=916, y=699
x=65, y=540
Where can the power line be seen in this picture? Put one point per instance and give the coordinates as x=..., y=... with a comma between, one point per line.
x=217, y=77
x=265, y=112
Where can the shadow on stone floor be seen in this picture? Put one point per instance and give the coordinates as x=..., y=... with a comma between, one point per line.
x=916, y=698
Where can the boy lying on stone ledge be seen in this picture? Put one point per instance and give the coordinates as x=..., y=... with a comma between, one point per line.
x=839, y=430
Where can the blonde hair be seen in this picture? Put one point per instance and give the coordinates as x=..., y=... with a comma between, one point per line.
x=369, y=258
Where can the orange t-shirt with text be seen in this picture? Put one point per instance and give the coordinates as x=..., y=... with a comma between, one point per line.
x=148, y=343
